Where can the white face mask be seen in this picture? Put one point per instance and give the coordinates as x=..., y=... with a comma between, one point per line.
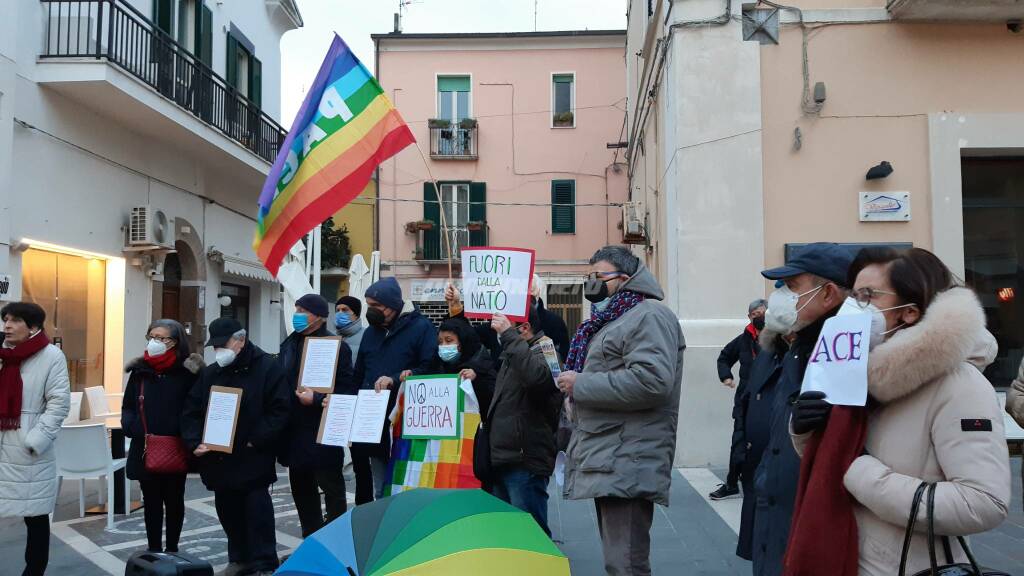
x=878, y=332
x=225, y=357
x=782, y=313
x=156, y=348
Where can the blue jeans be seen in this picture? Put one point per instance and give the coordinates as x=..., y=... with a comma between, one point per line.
x=526, y=491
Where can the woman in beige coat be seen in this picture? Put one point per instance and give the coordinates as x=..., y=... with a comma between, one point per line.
x=933, y=417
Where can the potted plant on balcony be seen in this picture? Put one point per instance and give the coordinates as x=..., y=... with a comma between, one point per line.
x=425, y=225
x=563, y=119
x=475, y=226
x=418, y=254
x=467, y=123
x=439, y=123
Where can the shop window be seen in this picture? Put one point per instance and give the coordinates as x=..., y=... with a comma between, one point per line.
x=993, y=205
x=72, y=290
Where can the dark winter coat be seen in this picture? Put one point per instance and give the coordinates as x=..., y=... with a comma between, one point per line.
x=524, y=412
x=262, y=418
x=743, y=349
x=778, y=473
x=409, y=344
x=472, y=355
x=164, y=400
x=755, y=409
x=554, y=328
x=299, y=448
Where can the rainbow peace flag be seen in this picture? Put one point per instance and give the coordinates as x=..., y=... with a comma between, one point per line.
x=344, y=130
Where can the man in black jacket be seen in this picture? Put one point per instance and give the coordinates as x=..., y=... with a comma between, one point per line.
x=241, y=480
x=743, y=349
x=313, y=467
x=523, y=418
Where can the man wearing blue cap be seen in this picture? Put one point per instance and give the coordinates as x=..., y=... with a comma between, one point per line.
x=399, y=338
x=814, y=288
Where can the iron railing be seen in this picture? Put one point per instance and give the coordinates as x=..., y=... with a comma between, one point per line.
x=453, y=142
x=117, y=32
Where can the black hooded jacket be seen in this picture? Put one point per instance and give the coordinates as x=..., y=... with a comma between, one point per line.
x=472, y=355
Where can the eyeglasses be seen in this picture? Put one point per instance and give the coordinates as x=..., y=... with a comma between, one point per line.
x=864, y=296
x=164, y=339
x=603, y=275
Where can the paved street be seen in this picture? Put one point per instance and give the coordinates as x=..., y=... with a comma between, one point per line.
x=692, y=537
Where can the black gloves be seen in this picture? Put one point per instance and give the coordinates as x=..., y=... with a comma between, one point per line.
x=810, y=412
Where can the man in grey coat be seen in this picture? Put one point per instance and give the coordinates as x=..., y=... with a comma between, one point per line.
x=623, y=372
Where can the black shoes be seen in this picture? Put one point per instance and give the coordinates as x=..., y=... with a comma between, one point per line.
x=725, y=492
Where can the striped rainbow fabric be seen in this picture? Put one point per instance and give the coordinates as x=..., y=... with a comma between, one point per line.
x=345, y=128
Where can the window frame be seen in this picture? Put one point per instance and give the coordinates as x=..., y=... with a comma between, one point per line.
x=554, y=205
x=572, y=100
x=437, y=93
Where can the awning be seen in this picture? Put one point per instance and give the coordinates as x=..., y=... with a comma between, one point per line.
x=247, y=269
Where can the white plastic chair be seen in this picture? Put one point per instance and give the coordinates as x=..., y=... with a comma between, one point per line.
x=83, y=452
x=75, y=414
x=98, y=406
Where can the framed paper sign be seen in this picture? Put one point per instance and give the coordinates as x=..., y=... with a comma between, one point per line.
x=320, y=363
x=222, y=418
x=497, y=280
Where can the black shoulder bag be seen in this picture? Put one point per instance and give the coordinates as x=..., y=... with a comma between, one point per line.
x=950, y=568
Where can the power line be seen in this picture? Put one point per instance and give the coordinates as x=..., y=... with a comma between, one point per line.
x=371, y=201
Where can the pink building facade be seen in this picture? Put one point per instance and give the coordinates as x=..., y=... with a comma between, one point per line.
x=515, y=128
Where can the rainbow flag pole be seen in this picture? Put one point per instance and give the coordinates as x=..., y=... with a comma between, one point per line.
x=344, y=130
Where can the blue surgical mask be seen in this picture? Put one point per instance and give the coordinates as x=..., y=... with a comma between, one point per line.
x=300, y=321
x=599, y=306
x=448, y=352
x=342, y=320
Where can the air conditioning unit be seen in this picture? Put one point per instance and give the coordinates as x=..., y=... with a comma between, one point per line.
x=149, y=229
x=633, y=229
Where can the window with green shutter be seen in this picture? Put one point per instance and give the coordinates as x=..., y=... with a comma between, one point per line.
x=432, y=213
x=563, y=100
x=563, y=206
x=478, y=214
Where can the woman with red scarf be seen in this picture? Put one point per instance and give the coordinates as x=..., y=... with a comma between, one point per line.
x=158, y=384
x=35, y=396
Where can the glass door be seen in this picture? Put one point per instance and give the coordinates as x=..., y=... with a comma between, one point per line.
x=993, y=205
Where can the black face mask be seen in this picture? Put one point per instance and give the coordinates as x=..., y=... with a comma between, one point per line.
x=758, y=323
x=375, y=317
x=595, y=290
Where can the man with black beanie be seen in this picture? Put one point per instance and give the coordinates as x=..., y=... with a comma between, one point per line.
x=348, y=321
x=312, y=467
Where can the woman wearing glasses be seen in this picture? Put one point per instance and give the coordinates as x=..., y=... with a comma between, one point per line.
x=158, y=384
x=931, y=417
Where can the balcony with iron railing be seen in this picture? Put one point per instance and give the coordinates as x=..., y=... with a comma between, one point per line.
x=453, y=141
x=115, y=32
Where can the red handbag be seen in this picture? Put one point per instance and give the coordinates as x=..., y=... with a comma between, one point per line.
x=161, y=454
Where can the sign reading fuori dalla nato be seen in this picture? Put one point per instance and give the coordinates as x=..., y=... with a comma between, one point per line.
x=497, y=280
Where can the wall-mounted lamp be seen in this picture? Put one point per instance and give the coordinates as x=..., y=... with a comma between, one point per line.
x=224, y=299
x=880, y=171
x=275, y=304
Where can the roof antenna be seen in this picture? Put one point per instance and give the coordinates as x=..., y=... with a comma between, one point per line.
x=534, y=15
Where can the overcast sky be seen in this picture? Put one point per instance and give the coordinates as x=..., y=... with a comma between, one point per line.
x=303, y=50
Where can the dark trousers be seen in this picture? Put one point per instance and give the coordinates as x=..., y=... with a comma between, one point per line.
x=37, y=546
x=625, y=527
x=247, y=517
x=306, y=485
x=526, y=491
x=160, y=493
x=371, y=474
x=737, y=453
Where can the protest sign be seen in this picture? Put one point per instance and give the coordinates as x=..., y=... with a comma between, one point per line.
x=838, y=365
x=433, y=406
x=497, y=280
x=222, y=418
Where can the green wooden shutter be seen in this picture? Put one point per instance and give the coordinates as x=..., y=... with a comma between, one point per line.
x=163, y=15
x=478, y=212
x=453, y=84
x=204, y=34
x=231, y=67
x=431, y=212
x=256, y=81
x=563, y=206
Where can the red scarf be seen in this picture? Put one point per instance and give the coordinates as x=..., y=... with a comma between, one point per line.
x=823, y=536
x=161, y=363
x=10, y=379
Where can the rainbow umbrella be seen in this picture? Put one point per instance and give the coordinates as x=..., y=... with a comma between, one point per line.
x=426, y=532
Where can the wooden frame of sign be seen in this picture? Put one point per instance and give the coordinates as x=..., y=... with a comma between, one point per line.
x=234, y=422
x=334, y=365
